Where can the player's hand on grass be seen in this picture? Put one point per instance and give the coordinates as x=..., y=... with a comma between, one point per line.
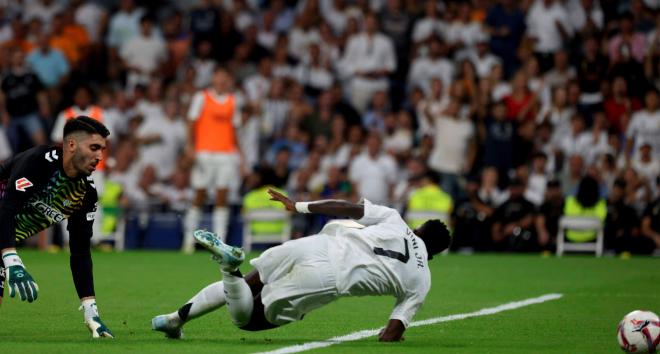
x=393, y=332
x=289, y=204
x=18, y=279
x=98, y=328
x=92, y=319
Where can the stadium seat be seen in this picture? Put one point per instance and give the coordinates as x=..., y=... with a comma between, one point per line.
x=580, y=223
x=265, y=215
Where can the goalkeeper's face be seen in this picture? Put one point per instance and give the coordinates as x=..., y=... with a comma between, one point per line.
x=88, y=153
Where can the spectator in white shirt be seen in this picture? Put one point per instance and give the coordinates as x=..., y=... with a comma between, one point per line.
x=430, y=25
x=424, y=69
x=267, y=35
x=124, y=25
x=43, y=10
x=645, y=126
x=585, y=15
x=257, y=85
x=593, y=144
x=558, y=114
x=568, y=144
x=162, y=140
x=334, y=12
x=92, y=16
x=373, y=172
x=548, y=26
x=433, y=104
x=463, y=33
x=302, y=35
x=483, y=60
x=313, y=72
x=143, y=54
x=203, y=64
x=644, y=163
x=453, y=149
x=368, y=61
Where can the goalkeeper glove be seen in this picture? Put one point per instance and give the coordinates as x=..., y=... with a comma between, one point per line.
x=93, y=321
x=18, y=279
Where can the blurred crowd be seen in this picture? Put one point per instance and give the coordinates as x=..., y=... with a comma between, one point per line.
x=509, y=109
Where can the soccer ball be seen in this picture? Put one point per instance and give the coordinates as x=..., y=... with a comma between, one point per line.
x=639, y=332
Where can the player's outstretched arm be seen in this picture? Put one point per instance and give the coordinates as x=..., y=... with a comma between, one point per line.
x=393, y=332
x=332, y=207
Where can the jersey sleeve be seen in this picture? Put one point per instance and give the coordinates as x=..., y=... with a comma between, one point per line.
x=407, y=306
x=80, y=229
x=23, y=165
x=376, y=214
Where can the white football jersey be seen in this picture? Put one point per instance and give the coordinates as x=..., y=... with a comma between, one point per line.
x=383, y=258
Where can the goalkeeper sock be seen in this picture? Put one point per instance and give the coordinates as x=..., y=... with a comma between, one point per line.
x=239, y=299
x=206, y=300
x=89, y=309
x=220, y=216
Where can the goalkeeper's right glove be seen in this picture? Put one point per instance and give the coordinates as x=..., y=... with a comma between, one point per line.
x=18, y=279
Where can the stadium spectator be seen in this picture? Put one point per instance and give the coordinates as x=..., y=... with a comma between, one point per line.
x=48, y=63
x=513, y=226
x=143, y=54
x=549, y=28
x=429, y=26
x=586, y=203
x=645, y=126
x=651, y=219
x=373, y=172
x=506, y=24
x=622, y=232
x=453, y=148
x=124, y=24
x=368, y=59
x=546, y=221
x=23, y=104
x=620, y=106
x=434, y=66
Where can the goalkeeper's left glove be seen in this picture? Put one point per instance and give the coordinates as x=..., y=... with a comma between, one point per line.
x=93, y=320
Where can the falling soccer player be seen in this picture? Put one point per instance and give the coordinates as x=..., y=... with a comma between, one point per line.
x=43, y=186
x=380, y=255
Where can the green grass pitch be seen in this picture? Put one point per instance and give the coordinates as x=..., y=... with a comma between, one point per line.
x=132, y=287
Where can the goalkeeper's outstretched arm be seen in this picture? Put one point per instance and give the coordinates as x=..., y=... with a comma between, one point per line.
x=331, y=207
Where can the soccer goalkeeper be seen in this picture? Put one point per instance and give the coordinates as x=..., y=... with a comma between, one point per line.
x=44, y=186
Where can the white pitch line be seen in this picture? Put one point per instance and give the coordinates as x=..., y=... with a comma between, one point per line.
x=372, y=332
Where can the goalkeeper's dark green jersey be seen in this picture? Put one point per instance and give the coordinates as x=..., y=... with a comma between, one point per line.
x=37, y=194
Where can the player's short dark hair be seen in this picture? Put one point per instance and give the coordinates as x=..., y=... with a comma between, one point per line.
x=435, y=235
x=85, y=124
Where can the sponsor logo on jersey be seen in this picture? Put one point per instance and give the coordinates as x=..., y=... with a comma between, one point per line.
x=49, y=212
x=22, y=184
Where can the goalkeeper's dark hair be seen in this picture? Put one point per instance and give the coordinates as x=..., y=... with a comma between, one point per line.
x=435, y=235
x=87, y=125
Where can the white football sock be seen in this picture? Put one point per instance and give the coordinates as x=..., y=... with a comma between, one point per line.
x=239, y=299
x=211, y=298
x=220, y=217
x=190, y=223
